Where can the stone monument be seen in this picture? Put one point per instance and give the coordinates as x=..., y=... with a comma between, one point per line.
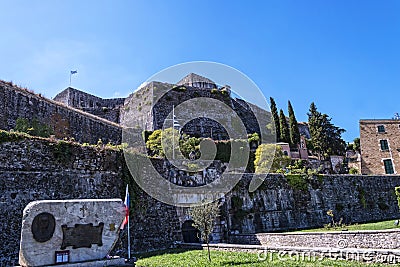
x=77, y=232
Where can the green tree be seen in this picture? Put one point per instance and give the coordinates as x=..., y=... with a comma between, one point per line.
x=161, y=142
x=397, y=191
x=265, y=163
x=275, y=117
x=204, y=217
x=294, y=128
x=326, y=138
x=285, y=134
x=153, y=144
x=356, y=144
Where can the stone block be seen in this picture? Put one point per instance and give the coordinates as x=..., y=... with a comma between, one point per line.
x=72, y=231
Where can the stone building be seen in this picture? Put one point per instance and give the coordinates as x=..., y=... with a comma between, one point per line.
x=87, y=118
x=150, y=108
x=380, y=146
x=108, y=109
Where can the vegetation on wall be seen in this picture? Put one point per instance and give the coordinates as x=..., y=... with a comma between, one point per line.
x=265, y=163
x=6, y=136
x=62, y=152
x=33, y=127
x=297, y=181
x=160, y=144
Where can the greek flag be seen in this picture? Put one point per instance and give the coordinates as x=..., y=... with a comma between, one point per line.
x=127, y=204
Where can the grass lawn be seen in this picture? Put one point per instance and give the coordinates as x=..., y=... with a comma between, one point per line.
x=384, y=225
x=199, y=258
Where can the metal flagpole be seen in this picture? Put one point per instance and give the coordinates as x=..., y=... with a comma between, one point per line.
x=129, y=231
x=70, y=75
x=173, y=132
x=129, y=240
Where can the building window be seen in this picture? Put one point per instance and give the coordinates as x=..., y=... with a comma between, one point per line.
x=381, y=128
x=388, y=166
x=384, y=145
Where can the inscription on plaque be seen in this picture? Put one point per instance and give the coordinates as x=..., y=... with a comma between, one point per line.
x=43, y=226
x=82, y=235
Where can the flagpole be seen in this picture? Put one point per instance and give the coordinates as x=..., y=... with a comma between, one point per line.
x=173, y=132
x=129, y=231
x=70, y=74
x=129, y=240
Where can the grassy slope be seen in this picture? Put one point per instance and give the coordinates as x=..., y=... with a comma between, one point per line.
x=198, y=258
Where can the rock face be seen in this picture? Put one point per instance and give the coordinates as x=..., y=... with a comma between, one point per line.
x=55, y=231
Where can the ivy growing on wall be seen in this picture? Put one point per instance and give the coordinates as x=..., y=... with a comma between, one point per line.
x=6, y=136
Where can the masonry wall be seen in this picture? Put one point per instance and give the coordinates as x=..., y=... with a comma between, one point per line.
x=385, y=239
x=152, y=104
x=66, y=122
x=372, y=155
x=108, y=109
x=36, y=169
x=280, y=204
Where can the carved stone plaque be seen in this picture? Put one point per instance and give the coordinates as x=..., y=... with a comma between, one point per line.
x=43, y=226
x=82, y=235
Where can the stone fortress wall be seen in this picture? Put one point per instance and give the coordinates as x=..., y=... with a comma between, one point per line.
x=38, y=169
x=280, y=204
x=35, y=169
x=66, y=121
x=108, y=109
x=138, y=110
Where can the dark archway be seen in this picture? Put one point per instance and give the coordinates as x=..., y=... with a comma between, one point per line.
x=190, y=233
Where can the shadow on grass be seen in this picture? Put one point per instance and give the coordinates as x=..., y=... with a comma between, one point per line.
x=239, y=263
x=163, y=252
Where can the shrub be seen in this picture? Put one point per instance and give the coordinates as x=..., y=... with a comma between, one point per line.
x=353, y=171
x=34, y=127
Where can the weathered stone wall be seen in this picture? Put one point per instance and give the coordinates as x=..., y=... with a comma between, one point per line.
x=138, y=110
x=108, y=109
x=66, y=122
x=280, y=204
x=36, y=169
x=385, y=239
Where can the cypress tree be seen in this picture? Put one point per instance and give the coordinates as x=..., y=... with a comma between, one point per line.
x=275, y=116
x=294, y=128
x=315, y=126
x=326, y=138
x=285, y=135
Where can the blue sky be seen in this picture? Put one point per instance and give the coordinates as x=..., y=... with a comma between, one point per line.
x=343, y=55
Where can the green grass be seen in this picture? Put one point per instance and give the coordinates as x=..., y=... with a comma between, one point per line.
x=199, y=258
x=384, y=225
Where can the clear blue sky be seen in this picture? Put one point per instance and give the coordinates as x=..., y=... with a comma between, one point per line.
x=343, y=55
